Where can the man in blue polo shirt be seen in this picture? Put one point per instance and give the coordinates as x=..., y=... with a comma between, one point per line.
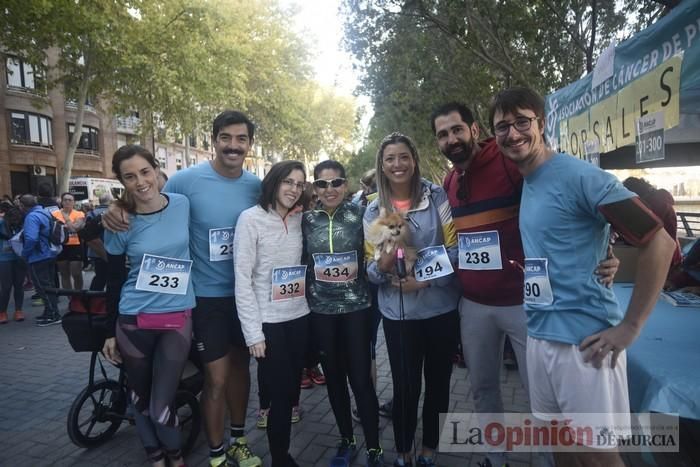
x=577, y=333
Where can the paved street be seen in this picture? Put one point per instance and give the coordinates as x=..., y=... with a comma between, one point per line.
x=40, y=375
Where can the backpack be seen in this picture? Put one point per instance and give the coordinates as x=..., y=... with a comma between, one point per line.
x=58, y=232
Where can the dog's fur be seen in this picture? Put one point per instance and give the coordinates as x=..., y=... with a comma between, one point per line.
x=388, y=232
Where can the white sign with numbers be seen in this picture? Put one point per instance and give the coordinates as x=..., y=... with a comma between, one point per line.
x=164, y=275
x=480, y=250
x=221, y=244
x=538, y=289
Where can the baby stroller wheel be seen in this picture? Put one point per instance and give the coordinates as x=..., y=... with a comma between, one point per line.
x=189, y=417
x=96, y=413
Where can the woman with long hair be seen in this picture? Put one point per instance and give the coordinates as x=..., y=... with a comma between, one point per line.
x=150, y=307
x=419, y=312
x=340, y=302
x=270, y=295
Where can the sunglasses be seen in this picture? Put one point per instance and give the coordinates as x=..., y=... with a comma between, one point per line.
x=335, y=183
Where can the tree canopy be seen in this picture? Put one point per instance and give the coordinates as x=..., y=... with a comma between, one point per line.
x=416, y=54
x=180, y=62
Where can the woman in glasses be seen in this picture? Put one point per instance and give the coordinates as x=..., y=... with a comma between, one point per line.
x=340, y=300
x=420, y=311
x=270, y=295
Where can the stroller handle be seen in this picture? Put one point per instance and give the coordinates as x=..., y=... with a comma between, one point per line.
x=76, y=293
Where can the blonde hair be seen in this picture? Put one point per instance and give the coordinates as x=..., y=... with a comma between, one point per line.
x=383, y=187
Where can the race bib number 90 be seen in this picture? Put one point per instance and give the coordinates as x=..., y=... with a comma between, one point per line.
x=335, y=267
x=538, y=290
x=432, y=262
x=164, y=275
x=288, y=282
x=221, y=244
x=480, y=251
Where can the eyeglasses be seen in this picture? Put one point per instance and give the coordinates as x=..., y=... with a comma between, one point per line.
x=291, y=183
x=335, y=183
x=521, y=124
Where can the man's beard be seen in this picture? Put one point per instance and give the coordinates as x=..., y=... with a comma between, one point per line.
x=462, y=156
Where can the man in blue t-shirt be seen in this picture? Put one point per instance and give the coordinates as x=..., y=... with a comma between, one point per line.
x=577, y=333
x=218, y=192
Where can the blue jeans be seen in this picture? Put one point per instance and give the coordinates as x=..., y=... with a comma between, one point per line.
x=44, y=276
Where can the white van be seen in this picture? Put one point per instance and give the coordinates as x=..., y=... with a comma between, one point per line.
x=90, y=188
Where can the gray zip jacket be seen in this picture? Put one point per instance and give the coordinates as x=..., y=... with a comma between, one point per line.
x=264, y=241
x=431, y=225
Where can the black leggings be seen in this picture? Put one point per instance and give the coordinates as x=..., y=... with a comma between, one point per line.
x=280, y=376
x=154, y=360
x=420, y=346
x=12, y=275
x=343, y=341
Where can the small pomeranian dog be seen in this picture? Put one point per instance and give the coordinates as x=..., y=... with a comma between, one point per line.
x=388, y=232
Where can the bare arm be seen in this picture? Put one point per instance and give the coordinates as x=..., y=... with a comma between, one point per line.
x=654, y=260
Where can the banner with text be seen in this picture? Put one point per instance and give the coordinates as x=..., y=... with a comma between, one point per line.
x=657, y=70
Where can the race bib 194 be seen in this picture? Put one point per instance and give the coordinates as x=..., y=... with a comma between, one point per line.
x=288, y=282
x=221, y=244
x=538, y=290
x=164, y=275
x=480, y=250
x=432, y=262
x=335, y=267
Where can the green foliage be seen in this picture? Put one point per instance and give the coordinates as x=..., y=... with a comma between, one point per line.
x=417, y=54
x=179, y=63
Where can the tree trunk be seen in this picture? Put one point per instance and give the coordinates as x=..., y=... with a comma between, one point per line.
x=67, y=168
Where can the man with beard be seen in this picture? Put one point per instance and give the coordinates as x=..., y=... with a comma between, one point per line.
x=484, y=190
x=218, y=192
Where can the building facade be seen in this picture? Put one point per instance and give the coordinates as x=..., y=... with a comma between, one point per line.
x=36, y=127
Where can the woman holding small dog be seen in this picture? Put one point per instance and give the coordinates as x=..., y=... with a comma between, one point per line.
x=340, y=301
x=420, y=310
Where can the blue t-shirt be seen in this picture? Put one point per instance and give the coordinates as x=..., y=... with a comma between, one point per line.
x=215, y=203
x=560, y=221
x=6, y=252
x=163, y=233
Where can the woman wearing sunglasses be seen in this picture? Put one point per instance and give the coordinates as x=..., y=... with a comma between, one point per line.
x=270, y=295
x=339, y=298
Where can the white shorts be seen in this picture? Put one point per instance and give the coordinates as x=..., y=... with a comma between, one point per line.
x=562, y=383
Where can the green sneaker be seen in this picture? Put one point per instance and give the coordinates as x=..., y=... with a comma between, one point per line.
x=239, y=454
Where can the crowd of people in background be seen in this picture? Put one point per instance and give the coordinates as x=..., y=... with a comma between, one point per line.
x=284, y=271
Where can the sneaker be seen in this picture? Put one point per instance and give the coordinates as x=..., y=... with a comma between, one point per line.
x=346, y=451
x=375, y=457
x=425, y=461
x=386, y=408
x=239, y=454
x=398, y=463
x=220, y=461
x=3, y=317
x=37, y=301
x=55, y=319
x=355, y=415
x=19, y=315
x=317, y=376
x=296, y=414
x=306, y=382
x=262, y=418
